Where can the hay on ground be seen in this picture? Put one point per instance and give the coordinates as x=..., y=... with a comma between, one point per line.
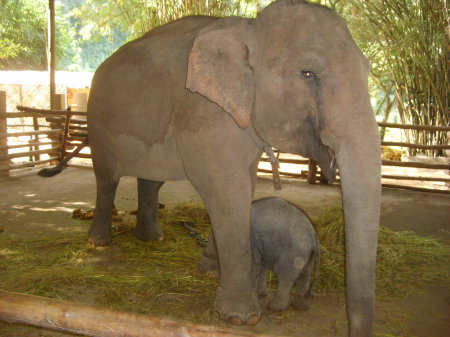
x=162, y=278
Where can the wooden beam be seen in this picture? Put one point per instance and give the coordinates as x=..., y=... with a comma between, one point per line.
x=30, y=133
x=417, y=146
x=3, y=130
x=395, y=177
x=47, y=112
x=53, y=150
x=416, y=165
x=96, y=321
x=417, y=189
x=19, y=146
x=29, y=164
x=415, y=127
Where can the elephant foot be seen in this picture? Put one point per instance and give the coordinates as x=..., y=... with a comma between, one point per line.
x=278, y=304
x=262, y=292
x=300, y=303
x=209, y=265
x=99, y=237
x=99, y=241
x=143, y=235
x=238, y=309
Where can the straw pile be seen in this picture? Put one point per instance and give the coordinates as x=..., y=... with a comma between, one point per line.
x=162, y=278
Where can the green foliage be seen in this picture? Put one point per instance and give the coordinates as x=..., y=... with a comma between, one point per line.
x=23, y=34
x=136, y=17
x=407, y=43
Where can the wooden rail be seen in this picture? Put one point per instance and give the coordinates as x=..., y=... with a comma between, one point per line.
x=67, y=132
x=306, y=174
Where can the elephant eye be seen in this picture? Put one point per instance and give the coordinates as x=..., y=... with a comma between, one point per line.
x=307, y=74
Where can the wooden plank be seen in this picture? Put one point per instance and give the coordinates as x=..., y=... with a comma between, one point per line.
x=417, y=146
x=29, y=153
x=289, y=161
x=413, y=188
x=19, y=115
x=72, y=138
x=19, y=146
x=3, y=130
x=415, y=127
x=78, y=121
x=30, y=133
x=78, y=128
x=96, y=321
x=416, y=165
x=29, y=164
x=396, y=177
x=83, y=155
x=50, y=112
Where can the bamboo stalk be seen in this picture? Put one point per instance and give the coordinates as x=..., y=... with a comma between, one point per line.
x=100, y=322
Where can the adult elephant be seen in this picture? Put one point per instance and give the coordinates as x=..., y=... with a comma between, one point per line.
x=199, y=97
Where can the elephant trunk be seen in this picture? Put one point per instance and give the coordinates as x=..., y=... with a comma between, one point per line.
x=359, y=162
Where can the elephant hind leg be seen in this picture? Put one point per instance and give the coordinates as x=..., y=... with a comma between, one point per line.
x=147, y=225
x=282, y=296
x=304, y=287
x=100, y=230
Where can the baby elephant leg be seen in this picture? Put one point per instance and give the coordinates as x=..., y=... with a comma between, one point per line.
x=282, y=296
x=262, y=281
x=304, y=289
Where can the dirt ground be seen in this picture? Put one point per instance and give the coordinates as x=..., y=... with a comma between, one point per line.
x=32, y=207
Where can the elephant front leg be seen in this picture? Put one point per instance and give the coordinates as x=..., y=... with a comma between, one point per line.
x=229, y=205
x=209, y=262
x=147, y=226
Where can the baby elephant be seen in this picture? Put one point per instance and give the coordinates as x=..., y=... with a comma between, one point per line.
x=283, y=240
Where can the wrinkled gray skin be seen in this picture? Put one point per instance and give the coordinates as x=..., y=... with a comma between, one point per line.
x=197, y=98
x=284, y=241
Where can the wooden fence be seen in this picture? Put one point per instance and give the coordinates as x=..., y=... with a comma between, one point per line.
x=33, y=137
x=52, y=134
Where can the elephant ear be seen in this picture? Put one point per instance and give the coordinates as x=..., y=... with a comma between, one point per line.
x=219, y=67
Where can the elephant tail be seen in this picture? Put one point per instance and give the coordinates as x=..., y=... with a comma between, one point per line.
x=50, y=172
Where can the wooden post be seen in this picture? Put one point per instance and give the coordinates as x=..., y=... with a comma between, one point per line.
x=52, y=45
x=64, y=138
x=80, y=99
x=59, y=101
x=3, y=130
x=36, y=139
x=312, y=171
x=102, y=322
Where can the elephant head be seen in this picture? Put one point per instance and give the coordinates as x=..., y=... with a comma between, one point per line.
x=296, y=76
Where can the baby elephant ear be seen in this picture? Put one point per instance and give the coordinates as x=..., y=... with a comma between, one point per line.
x=219, y=67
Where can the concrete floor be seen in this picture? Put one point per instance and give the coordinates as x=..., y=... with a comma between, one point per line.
x=32, y=207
